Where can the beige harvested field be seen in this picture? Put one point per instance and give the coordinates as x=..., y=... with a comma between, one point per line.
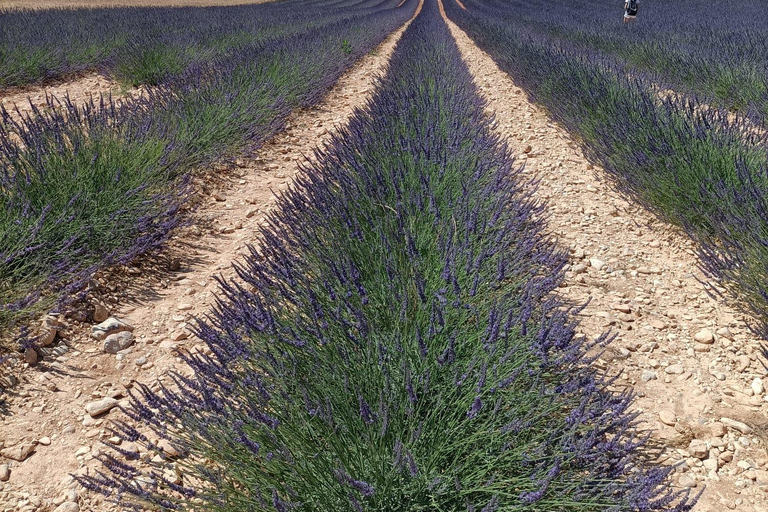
x=71, y=4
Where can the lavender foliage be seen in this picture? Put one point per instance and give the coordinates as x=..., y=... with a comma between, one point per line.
x=83, y=187
x=403, y=280
x=149, y=45
x=689, y=162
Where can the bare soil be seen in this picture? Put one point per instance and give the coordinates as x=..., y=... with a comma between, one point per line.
x=20, y=101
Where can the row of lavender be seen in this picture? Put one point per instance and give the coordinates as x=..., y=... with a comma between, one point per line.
x=392, y=343
x=148, y=45
x=715, y=50
x=691, y=164
x=85, y=187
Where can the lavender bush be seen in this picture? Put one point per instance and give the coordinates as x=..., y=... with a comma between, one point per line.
x=713, y=51
x=392, y=343
x=148, y=45
x=81, y=188
x=690, y=163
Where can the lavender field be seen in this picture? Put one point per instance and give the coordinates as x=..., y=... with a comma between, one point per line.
x=391, y=335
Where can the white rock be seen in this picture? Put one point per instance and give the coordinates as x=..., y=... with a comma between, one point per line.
x=45, y=441
x=705, y=337
x=667, y=417
x=100, y=406
x=674, y=369
x=109, y=326
x=736, y=425
x=596, y=263
x=648, y=376
x=698, y=449
x=757, y=386
x=5, y=472
x=68, y=506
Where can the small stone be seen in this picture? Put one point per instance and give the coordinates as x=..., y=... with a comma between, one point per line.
x=528, y=149
x=725, y=333
x=71, y=496
x=686, y=481
x=761, y=477
x=718, y=429
x=218, y=197
x=705, y=337
x=667, y=417
x=5, y=472
x=743, y=363
x=100, y=312
x=68, y=506
x=622, y=308
x=45, y=441
x=185, y=306
x=674, y=369
x=648, y=376
x=698, y=449
x=579, y=268
x=30, y=356
x=174, y=265
x=19, y=452
x=596, y=263
x=141, y=361
x=757, y=386
x=180, y=335
x=109, y=326
x=114, y=343
x=168, y=449
x=100, y=406
x=657, y=324
x=82, y=451
x=736, y=425
x=48, y=330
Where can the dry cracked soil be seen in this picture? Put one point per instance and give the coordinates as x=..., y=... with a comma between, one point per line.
x=688, y=355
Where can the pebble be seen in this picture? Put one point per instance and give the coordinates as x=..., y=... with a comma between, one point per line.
x=5, y=472
x=45, y=441
x=704, y=337
x=648, y=376
x=109, y=326
x=718, y=429
x=698, y=449
x=141, y=361
x=686, y=481
x=30, y=356
x=622, y=308
x=19, y=452
x=757, y=386
x=100, y=312
x=100, y=406
x=668, y=417
x=596, y=263
x=736, y=425
x=579, y=268
x=114, y=343
x=68, y=506
x=168, y=449
x=674, y=369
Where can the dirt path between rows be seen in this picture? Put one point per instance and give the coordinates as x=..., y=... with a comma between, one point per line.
x=642, y=282
x=47, y=410
x=80, y=90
